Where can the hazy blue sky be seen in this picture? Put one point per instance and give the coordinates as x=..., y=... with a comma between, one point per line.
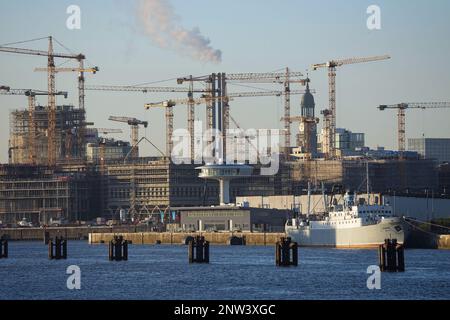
x=254, y=36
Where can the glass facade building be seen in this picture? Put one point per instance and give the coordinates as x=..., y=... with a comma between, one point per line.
x=430, y=148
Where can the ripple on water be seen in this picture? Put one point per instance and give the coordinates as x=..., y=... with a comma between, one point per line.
x=163, y=272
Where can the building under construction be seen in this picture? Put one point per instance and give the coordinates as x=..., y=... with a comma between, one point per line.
x=41, y=194
x=412, y=175
x=110, y=182
x=148, y=186
x=25, y=149
x=57, y=170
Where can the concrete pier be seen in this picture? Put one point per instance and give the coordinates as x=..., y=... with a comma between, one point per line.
x=214, y=238
x=69, y=233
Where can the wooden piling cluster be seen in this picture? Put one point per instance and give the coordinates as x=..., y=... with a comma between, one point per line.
x=57, y=248
x=198, y=250
x=286, y=253
x=118, y=249
x=3, y=248
x=391, y=256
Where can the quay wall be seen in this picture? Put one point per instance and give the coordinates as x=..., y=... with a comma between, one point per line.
x=70, y=233
x=141, y=236
x=216, y=238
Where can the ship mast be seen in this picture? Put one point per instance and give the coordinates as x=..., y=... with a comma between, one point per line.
x=368, y=182
x=325, y=202
x=309, y=200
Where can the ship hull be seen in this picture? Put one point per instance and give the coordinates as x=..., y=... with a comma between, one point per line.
x=362, y=237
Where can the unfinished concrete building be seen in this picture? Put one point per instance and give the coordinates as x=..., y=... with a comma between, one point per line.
x=68, y=121
x=107, y=149
x=149, y=186
x=40, y=194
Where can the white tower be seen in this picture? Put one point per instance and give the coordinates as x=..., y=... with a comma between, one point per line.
x=224, y=173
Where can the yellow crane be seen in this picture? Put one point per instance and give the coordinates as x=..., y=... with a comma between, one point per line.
x=205, y=99
x=145, y=90
x=285, y=79
x=81, y=99
x=401, y=115
x=168, y=106
x=328, y=141
x=51, y=55
x=134, y=124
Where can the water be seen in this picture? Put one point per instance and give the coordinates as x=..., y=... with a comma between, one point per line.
x=163, y=272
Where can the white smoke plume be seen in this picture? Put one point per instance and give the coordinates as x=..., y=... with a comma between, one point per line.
x=162, y=25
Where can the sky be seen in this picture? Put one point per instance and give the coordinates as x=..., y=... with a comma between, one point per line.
x=253, y=36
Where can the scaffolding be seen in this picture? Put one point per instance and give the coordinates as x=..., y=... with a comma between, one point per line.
x=68, y=121
x=411, y=175
x=40, y=194
x=77, y=191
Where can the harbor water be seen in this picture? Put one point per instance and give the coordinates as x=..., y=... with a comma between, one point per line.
x=163, y=272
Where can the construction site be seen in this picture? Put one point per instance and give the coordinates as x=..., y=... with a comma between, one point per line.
x=62, y=168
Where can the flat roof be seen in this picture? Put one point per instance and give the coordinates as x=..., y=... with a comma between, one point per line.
x=223, y=208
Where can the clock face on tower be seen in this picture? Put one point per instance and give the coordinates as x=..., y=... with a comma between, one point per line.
x=302, y=127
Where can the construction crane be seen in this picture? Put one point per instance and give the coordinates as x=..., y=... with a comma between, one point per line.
x=51, y=55
x=81, y=97
x=134, y=124
x=170, y=104
x=328, y=141
x=284, y=78
x=142, y=89
x=216, y=92
x=268, y=77
x=93, y=70
x=211, y=91
x=401, y=114
x=31, y=94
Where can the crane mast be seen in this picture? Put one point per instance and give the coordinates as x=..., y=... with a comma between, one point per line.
x=51, y=106
x=134, y=126
x=287, y=112
x=283, y=78
x=51, y=80
x=191, y=116
x=81, y=100
x=169, y=110
x=401, y=117
x=208, y=100
x=32, y=128
x=329, y=137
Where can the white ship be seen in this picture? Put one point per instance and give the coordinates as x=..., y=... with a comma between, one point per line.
x=348, y=226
